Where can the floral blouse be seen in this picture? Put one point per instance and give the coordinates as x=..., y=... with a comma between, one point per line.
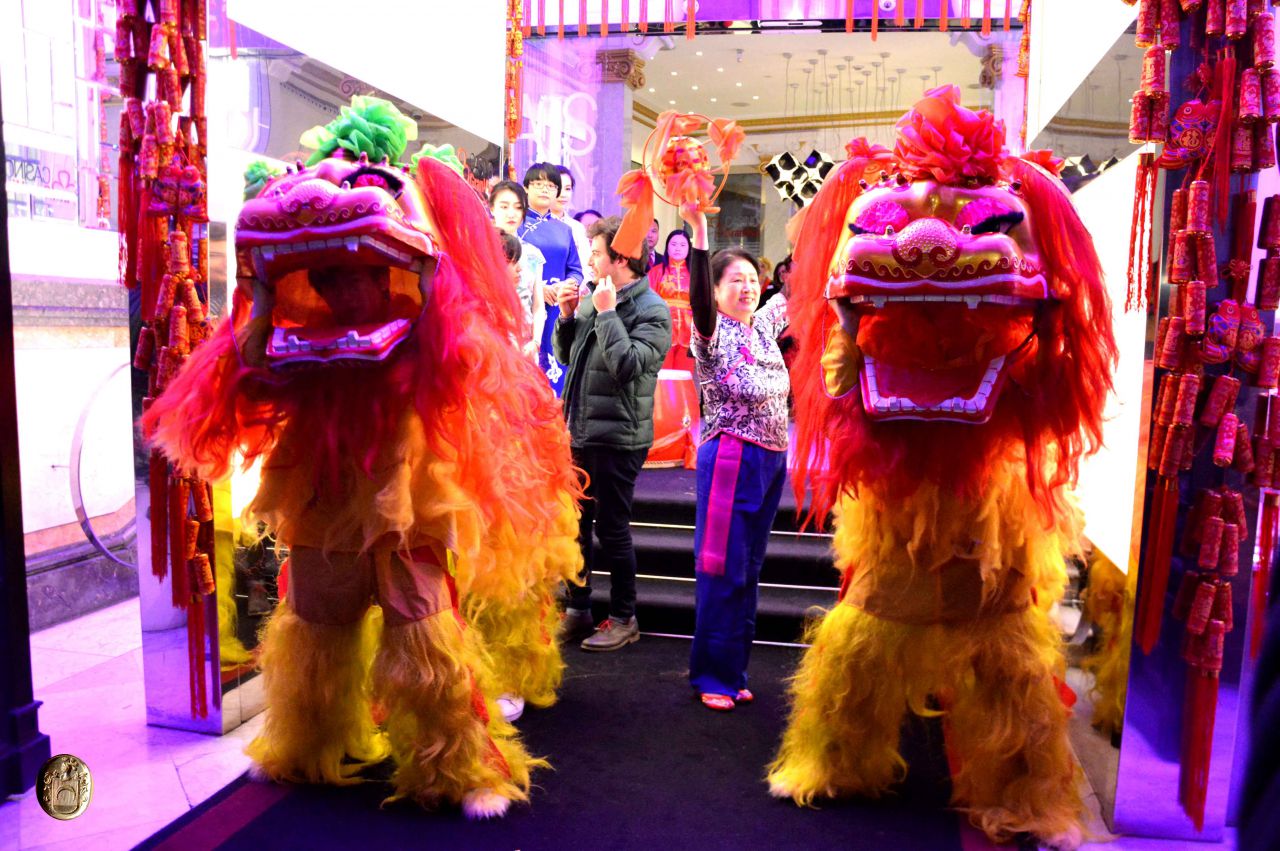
x=741, y=373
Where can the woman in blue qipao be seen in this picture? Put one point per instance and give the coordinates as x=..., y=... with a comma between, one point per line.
x=555, y=240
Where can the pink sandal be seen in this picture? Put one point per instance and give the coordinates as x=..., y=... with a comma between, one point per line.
x=718, y=702
x=745, y=696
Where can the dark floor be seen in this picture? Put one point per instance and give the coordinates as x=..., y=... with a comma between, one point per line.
x=638, y=763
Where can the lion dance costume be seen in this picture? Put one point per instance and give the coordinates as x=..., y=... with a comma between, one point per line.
x=411, y=458
x=955, y=353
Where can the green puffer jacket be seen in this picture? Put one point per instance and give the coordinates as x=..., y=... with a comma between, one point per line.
x=613, y=359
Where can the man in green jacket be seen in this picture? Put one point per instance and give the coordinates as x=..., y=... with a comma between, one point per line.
x=614, y=343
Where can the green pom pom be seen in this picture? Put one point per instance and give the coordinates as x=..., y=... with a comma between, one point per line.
x=370, y=126
x=256, y=177
x=444, y=153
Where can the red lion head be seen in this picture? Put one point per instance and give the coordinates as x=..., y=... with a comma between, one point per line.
x=951, y=315
x=366, y=294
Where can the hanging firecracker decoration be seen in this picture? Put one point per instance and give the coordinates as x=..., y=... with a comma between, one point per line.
x=1212, y=344
x=162, y=212
x=514, y=80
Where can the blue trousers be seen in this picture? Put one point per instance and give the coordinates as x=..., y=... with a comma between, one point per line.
x=728, y=567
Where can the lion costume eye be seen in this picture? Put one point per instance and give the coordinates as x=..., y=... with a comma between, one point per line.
x=879, y=216
x=989, y=215
x=1002, y=223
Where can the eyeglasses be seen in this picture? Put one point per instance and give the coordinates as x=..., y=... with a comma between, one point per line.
x=546, y=185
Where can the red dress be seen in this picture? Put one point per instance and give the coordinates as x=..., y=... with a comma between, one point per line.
x=670, y=280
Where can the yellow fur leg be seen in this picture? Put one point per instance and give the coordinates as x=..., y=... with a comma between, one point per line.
x=316, y=681
x=524, y=657
x=1006, y=721
x=425, y=678
x=848, y=701
x=1008, y=729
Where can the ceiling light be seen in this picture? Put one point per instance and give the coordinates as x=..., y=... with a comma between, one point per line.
x=697, y=53
x=720, y=70
x=675, y=73
x=652, y=89
x=755, y=97
x=739, y=85
x=713, y=100
x=695, y=88
x=673, y=103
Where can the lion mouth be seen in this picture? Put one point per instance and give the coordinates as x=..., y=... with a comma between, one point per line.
x=961, y=394
x=341, y=300
x=935, y=357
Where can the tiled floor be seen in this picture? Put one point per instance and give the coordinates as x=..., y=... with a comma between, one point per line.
x=89, y=675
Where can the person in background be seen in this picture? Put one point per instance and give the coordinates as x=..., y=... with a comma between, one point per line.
x=766, y=276
x=512, y=249
x=560, y=209
x=508, y=205
x=670, y=280
x=651, y=243
x=563, y=269
x=779, y=282
x=614, y=340
x=742, y=461
x=587, y=218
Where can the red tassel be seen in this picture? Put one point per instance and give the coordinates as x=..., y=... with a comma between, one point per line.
x=1008, y=14
x=875, y=21
x=626, y=15
x=1141, y=233
x=644, y=16
x=919, y=14
x=604, y=16
x=582, y=18
x=668, y=18
x=177, y=540
x=690, y=20
x=965, y=20
x=560, y=32
x=542, y=17
x=986, y=17
x=196, y=659
x=848, y=15
x=1155, y=569
x=943, y=9
x=1262, y=575
x=1225, y=84
x=159, y=481
x=899, y=12
x=526, y=19
x=1198, y=717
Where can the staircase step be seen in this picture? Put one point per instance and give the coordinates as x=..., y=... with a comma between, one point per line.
x=666, y=605
x=671, y=495
x=789, y=560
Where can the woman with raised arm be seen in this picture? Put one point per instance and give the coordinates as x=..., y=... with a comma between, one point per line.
x=742, y=460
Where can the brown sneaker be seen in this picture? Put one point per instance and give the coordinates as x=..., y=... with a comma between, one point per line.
x=613, y=635
x=575, y=625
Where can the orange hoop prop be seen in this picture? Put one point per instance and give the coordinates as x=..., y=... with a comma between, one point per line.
x=687, y=183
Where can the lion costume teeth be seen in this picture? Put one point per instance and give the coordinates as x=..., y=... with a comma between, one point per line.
x=965, y=301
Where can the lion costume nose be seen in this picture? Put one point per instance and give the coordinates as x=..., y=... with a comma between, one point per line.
x=927, y=243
